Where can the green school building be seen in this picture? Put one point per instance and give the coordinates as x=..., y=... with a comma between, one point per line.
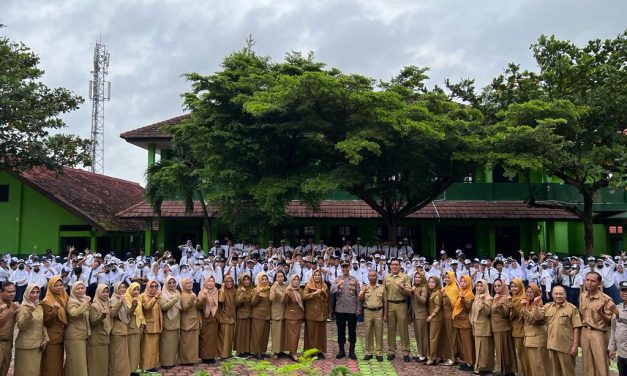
x=483, y=215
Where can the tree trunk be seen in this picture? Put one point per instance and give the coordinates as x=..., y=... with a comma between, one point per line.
x=206, y=223
x=392, y=226
x=586, y=218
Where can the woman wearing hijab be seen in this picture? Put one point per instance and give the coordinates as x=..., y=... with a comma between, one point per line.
x=32, y=336
x=170, y=302
x=517, y=289
x=294, y=315
x=101, y=324
x=461, y=322
x=260, y=326
x=136, y=322
x=149, y=349
x=190, y=324
x=535, y=330
x=502, y=329
x=118, y=341
x=226, y=316
x=277, y=291
x=481, y=329
x=435, y=320
x=55, y=319
x=77, y=331
x=316, y=297
x=450, y=294
x=243, y=298
x=210, y=327
x=420, y=294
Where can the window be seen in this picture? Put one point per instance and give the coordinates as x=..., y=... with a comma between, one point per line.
x=345, y=230
x=309, y=230
x=4, y=193
x=616, y=230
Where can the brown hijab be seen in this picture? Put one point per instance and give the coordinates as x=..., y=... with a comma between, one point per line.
x=211, y=298
x=61, y=298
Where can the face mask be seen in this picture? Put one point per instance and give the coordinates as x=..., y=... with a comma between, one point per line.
x=265, y=268
x=427, y=269
x=355, y=268
x=114, y=269
x=21, y=267
x=36, y=270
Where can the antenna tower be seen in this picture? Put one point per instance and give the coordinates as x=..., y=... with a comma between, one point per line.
x=98, y=95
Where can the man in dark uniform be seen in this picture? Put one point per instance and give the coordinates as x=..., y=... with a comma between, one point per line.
x=347, y=307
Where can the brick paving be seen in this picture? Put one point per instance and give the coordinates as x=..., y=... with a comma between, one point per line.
x=365, y=368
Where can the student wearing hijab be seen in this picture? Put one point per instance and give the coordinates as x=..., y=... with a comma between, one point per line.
x=32, y=336
x=98, y=342
x=294, y=315
x=461, y=322
x=481, y=328
x=243, y=298
x=226, y=316
x=435, y=320
x=260, y=326
x=55, y=319
x=190, y=324
x=149, y=349
x=77, y=331
x=170, y=302
x=118, y=341
x=450, y=294
x=535, y=331
x=208, y=304
x=420, y=292
x=277, y=291
x=136, y=322
x=316, y=296
x=517, y=289
x=502, y=329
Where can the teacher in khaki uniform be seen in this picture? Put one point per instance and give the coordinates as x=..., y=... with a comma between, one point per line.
x=563, y=328
x=596, y=310
x=373, y=298
x=397, y=289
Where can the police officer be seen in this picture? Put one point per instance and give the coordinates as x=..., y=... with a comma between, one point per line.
x=347, y=307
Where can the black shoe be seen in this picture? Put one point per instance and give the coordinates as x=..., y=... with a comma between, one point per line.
x=321, y=355
x=391, y=356
x=379, y=358
x=340, y=355
x=406, y=358
x=167, y=367
x=367, y=357
x=352, y=356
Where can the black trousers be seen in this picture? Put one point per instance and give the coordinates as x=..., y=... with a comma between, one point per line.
x=622, y=366
x=342, y=319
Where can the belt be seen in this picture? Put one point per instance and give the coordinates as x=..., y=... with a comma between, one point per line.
x=595, y=329
x=373, y=309
x=396, y=301
x=6, y=339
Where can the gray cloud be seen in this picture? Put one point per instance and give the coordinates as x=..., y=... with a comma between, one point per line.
x=153, y=42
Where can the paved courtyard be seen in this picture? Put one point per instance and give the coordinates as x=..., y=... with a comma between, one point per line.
x=365, y=368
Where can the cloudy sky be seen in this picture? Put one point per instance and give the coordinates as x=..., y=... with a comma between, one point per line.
x=153, y=42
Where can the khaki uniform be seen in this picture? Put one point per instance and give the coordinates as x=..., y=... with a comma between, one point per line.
x=243, y=298
x=373, y=303
x=502, y=332
x=461, y=324
x=260, y=326
x=52, y=357
x=420, y=313
x=7, y=324
x=316, y=313
x=482, y=330
x=169, y=339
x=596, y=320
x=397, y=311
x=561, y=322
x=31, y=334
x=190, y=325
x=149, y=349
x=76, y=335
x=518, y=334
x=536, y=338
x=277, y=327
x=436, y=326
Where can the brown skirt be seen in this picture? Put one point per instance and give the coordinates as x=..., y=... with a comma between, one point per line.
x=292, y=335
x=225, y=340
x=523, y=357
x=149, y=351
x=259, y=335
x=484, y=348
x=436, y=337
x=168, y=347
x=277, y=329
x=541, y=356
x=98, y=360
x=75, y=357
x=421, y=332
x=448, y=341
x=242, y=336
x=466, y=344
x=52, y=360
x=27, y=362
x=118, y=356
x=133, y=343
x=505, y=352
x=316, y=335
x=188, y=346
x=208, y=347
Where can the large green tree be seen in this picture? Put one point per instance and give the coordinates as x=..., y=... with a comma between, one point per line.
x=568, y=119
x=263, y=133
x=29, y=112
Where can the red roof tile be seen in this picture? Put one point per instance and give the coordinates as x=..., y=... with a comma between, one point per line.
x=153, y=131
x=358, y=209
x=93, y=197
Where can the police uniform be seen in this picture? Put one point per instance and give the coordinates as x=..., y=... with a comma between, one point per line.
x=347, y=306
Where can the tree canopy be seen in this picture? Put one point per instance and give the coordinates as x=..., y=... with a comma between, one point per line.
x=29, y=112
x=263, y=133
x=569, y=119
